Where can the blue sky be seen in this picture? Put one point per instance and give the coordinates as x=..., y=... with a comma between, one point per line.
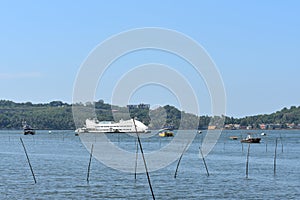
x=254, y=44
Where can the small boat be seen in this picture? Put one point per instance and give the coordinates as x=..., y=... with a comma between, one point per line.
x=250, y=139
x=27, y=129
x=263, y=134
x=165, y=133
x=233, y=137
x=199, y=132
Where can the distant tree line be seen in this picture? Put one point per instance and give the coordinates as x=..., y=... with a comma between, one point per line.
x=58, y=115
x=53, y=115
x=281, y=118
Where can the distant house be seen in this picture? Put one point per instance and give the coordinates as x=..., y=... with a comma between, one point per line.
x=274, y=126
x=291, y=125
x=232, y=126
x=228, y=126
x=263, y=126
x=236, y=126
x=139, y=106
x=212, y=127
x=249, y=127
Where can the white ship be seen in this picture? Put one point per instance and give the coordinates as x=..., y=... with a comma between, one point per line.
x=123, y=126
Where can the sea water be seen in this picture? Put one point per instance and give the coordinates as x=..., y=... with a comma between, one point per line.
x=60, y=163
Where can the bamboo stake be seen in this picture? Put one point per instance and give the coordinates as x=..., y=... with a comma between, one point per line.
x=204, y=161
x=159, y=142
x=266, y=144
x=281, y=145
x=201, y=138
x=143, y=156
x=275, y=157
x=247, y=162
x=28, y=160
x=89, y=166
x=242, y=144
x=136, y=159
x=184, y=150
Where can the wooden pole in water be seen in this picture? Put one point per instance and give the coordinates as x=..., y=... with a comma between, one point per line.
x=184, y=150
x=143, y=156
x=89, y=166
x=266, y=145
x=281, y=144
x=159, y=142
x=204, y=161
x=275, y=157
x=28, y=160
x=247, y=162
x=136, y=158
x=201, y=138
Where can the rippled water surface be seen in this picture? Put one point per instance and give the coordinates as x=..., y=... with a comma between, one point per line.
x=60, y=163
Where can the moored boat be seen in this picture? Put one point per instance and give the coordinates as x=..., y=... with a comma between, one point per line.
x=27, y=129
x=233, y=137
x=250, y=139
x=165, y=133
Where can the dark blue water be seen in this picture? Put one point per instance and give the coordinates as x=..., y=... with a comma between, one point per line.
x=60, y=162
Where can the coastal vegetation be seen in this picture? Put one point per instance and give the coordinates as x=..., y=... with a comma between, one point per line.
x=58, y=115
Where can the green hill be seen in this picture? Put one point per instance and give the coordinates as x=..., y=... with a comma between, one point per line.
x=58, y=115
x=285, y=118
